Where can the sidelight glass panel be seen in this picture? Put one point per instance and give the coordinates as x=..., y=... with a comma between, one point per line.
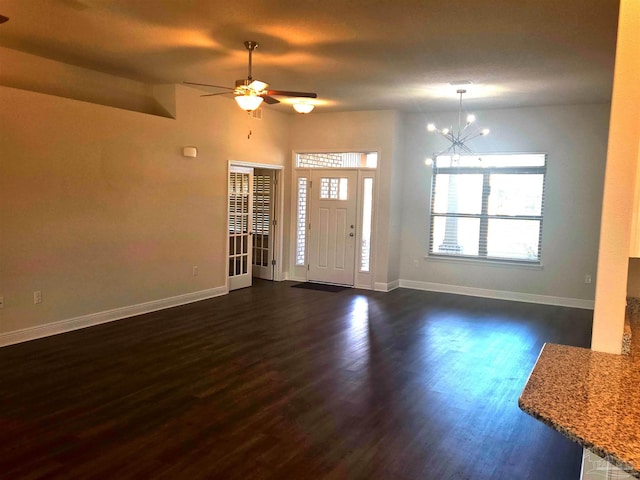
x=301, y=225
x=367, y=210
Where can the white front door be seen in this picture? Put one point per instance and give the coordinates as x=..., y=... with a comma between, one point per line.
x=240, y=216
x=332, y=229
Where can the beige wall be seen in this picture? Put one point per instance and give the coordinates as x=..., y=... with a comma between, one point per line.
x=100, y=210
x=575, y=139
x=620, y=184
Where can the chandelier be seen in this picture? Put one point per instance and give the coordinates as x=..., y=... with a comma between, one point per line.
x=458, y=139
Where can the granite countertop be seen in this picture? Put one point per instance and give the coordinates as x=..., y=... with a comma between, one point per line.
x=591, y=397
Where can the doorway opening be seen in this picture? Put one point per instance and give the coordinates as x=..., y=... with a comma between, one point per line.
x=333, y=198
x=255, y=234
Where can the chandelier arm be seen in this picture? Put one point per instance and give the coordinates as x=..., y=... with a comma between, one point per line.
x=471, y=136
x=447, y=150
x=465, y=149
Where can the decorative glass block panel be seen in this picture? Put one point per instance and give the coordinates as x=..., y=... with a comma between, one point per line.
x=301, y=226
x=333, y=188
x=337, y=160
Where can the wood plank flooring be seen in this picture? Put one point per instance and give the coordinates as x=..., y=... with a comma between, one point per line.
x=274, y=382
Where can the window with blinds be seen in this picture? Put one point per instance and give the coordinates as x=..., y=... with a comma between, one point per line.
x=489, y=207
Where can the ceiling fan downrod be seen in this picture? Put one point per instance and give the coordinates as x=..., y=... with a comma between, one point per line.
x=251, y=46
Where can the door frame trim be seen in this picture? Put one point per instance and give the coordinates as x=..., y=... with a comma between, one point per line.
x=362, y=280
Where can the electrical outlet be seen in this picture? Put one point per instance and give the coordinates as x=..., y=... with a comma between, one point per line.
x=37, y=297
x=587, y=278
x=195, y=271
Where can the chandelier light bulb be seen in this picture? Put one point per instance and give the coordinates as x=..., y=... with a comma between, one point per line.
x=431, y=127
x=428, y=161
x=445, y=131
x=471, y=118
x=485, y=131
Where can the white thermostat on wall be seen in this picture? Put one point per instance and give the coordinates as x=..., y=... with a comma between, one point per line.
x=190, y=152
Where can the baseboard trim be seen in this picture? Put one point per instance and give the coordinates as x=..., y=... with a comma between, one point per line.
x=386, y=287
x=293, y=278
x=84, y=321
x=499, y=294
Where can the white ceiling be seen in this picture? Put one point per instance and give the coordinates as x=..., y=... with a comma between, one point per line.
x=356, y=54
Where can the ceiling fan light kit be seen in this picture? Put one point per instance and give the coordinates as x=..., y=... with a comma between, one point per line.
x=458, y=139
x=303, y=107
x=249, y=102
x=250, y=93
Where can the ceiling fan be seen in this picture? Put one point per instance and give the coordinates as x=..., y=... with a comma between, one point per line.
x=250, y=93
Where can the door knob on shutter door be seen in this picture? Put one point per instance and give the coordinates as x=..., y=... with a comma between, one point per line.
x=353, y=226
x=351, y=234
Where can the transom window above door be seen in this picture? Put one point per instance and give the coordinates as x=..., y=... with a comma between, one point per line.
x=337, y=160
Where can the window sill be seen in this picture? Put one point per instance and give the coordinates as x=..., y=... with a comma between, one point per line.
x=484, y=263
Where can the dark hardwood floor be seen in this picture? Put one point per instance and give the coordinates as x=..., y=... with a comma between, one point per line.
x=277, y=382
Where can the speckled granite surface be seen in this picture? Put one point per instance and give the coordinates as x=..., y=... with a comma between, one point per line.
x=626, y=337
x=591, y=397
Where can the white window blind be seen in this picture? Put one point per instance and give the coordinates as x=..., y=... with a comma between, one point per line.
x=489, y=207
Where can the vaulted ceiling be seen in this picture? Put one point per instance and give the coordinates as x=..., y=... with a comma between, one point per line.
x=356, y=54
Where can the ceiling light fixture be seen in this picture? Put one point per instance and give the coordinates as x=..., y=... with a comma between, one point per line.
x=250, y=93
x=458, y=140
x=249, y=102
x=303, y=107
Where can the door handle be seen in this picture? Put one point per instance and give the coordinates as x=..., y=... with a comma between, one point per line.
x=351, y=234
